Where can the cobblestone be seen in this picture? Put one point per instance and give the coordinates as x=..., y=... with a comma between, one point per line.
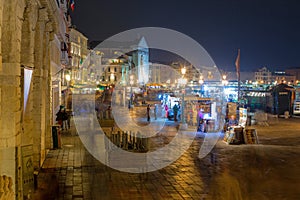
x=229, y=172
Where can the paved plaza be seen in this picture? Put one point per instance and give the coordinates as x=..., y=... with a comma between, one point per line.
x=269, y=170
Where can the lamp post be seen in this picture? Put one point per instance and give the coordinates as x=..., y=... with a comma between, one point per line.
x=131, y=82
x=184, y=125
x=201, y=81
x=112, y=77
x=68, y=79
x=224, y=81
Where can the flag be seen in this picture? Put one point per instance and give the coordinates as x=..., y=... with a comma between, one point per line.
x=72, y=4
x=237, y=65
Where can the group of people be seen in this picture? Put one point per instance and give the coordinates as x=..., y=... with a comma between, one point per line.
x=176, y=112
x=165, y=108
x=62, y=118
x=149, y=110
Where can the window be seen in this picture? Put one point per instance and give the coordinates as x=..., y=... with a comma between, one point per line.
x=115, y=69
x=108, y=69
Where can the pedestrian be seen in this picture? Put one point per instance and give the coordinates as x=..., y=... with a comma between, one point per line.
x=109, y=112
x=65, y=119
x=200, y=121
x=148, y=112
x=59, y=116
x=232, y=121
x=155, y=111
x=175, y=111
x=129, y=104
x=166, y=110
x=200, y=116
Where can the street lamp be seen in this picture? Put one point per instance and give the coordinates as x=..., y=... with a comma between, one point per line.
x=201, y=81
x=66, y=93
x=184, y=125
x=183, y=71
x=131, y=82
x=112, y=77
x=68, y=77
x=224, y=81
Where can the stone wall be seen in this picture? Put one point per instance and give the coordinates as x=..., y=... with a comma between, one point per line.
x=26, y=31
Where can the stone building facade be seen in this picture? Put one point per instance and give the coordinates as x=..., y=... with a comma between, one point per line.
x=30, y=30
x=78, y=51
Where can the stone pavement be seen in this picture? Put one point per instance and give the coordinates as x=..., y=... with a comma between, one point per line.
x=269, y=170
x=72, y=173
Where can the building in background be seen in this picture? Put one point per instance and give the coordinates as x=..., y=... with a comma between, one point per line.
x=114, y=62
x=283, y=77
x=263, y=75
x=78, y=53
x=295, y=72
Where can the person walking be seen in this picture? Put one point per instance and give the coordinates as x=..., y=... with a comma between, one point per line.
x=148, y=112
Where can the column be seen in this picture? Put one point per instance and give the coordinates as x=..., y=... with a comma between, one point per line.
x=11, y=14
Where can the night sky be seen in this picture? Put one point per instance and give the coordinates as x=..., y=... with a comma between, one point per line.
x=267, y=32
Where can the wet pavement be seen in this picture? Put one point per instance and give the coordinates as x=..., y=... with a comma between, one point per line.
x=269, y=170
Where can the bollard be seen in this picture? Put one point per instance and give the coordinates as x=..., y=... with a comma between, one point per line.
x=139, y=141
x=126, y=141
x=133, y=140
x=144, y=143
x=55, y=136
x=35, y=179
x=119, y=139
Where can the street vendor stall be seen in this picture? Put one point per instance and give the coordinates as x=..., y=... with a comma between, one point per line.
x=239, y=133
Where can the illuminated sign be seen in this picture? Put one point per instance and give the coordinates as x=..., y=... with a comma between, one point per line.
x=283, y=93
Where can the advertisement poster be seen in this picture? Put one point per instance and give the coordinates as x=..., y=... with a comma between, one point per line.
x=243, y=117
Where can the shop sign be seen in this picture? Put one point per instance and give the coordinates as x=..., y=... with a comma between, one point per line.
x=27, y=166
x=283, y=93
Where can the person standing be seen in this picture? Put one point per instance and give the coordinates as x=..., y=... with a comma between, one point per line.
x=200, y=116
x=155, y=111
x=166, y=110
x=60, y=116
x=129, y=105
x=65, y=119
x=200, y=121
x=175, y=111
x=148, y=113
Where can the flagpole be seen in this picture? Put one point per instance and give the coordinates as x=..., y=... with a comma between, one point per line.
x=237, y=64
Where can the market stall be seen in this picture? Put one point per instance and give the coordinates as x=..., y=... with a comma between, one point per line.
x=238, y=133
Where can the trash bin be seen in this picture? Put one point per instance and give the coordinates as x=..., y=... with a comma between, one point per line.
x=55, y=136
